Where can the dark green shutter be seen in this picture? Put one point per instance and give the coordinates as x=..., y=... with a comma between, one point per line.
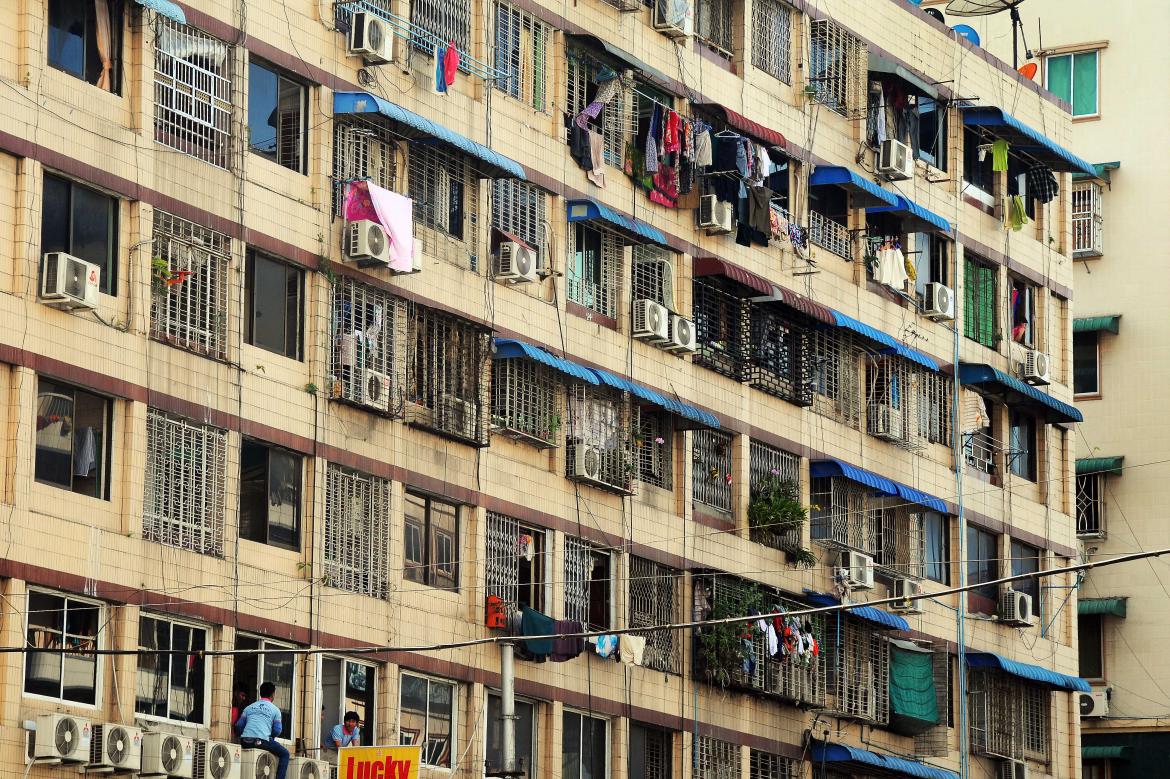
x=969, y=320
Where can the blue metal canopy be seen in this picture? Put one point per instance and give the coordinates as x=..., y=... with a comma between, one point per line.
x=510, y=348
x=880, y=484
x=1033, y=673
x=893, y=344
x=979, y=374
x=493, y=164
x=877, y=616
x=165, y=8
x=874, y=764
x=919, y=217
x=1025, y=139
x=655, y=398
x=865, y=192
x=586, y=209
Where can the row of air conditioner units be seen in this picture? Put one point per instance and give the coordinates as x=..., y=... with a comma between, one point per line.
x=655, y=324
x=88, y=747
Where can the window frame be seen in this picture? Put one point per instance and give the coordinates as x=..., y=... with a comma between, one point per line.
x=980, y=301
x=428, y=567
x=1071, y=56
x=527, y=62
x=251, y=258
x=207, y=643
x=585, y=586
x=664, y=750
x=104, y=453
x=1023, y=462
x=205, y=134
x=532, y=764
x=264, y=646
x=605, y=722
x=1093, y=487
x=1030, y=335
x=99, y=643
x=452, y=736
x=108, y=283
x=981, y=570
x=368, y=734
x=773, y=57
x=283, y=77
x=1097, y=634
x=1095, y=392
x=932, y=569
x=269, y=448
x=117, y=41
x=1026, y=558
x=360, y=545
x=504, y=562
x=193, y=313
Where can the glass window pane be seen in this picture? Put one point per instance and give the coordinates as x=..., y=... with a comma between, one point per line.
x=91, y=413
x=598, y=765
x=290, y=124
x=187, y=679
x=284, y=498
x=1089, y=633
x=438, y=745
x=1026, y=559
x=1085, y=379
x=525, y=714
x=262, y=98
x=443, y=544
x=937, y=529
x=571, y=746
x=55, y=233
x=292, y=312
x=279, y=668
x=360, y=697
x=93, y=232
x=1084, y=82
x=151, y=686
x=269, y=312
x=1059, y=74
x=253, y=491
x=67, y=47
x=412, y=701
x=416, y=514
x=54, y=434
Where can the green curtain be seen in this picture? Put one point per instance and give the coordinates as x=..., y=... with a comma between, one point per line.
x=1059, y=71
x=979, y=303
x=1084, y=84
x=913, y=700
x=969, y=317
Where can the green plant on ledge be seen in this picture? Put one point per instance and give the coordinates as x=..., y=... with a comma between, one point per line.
x=774, y=513
x=721, y=647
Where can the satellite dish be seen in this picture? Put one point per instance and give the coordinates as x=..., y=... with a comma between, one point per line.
x=937, y=14
x=967, y=32
x=1028, y=69
x=980, y=7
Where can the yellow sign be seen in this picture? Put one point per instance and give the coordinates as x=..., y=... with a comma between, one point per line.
x=378, y=762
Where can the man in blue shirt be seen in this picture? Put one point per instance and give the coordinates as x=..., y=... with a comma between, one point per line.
x=259, y=725
x=347, y=734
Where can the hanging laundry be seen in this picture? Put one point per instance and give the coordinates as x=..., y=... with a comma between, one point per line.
x=1016, y=214
x=1042, y=183
x=773, y=640
x=450, y=64
x=526, y=546
x=999, y=155
x=606, y=92
x=631, y=648
x=606, y=646
x=533, y=623
x=440, y=52
x=891, y=267
x=749, y=657
x=670, y=139
x=665, y=191
x=760, y=209
x=652, y=131
x=596, y=172
x=703, y=151
x=366, y=200
x=579, y=148
x=566, y=648
x=975, y=416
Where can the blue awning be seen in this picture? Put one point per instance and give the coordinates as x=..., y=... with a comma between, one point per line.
x=865, y=192
x=1024, y=138
x=893, y=344
x=586, y=209
x=917, y=219
x=492, y=163
x=165, y=8
x=510, y=348
x=655, y=398
x=872, y=763
x=1017, y=392
x=880, y=484
x=1033, y=673
x=883, y=619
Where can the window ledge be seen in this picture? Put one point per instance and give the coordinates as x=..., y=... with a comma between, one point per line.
x=588, y=314
x=1091, y=396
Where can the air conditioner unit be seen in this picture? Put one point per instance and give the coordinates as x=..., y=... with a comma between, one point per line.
x=366, y=243
x=885, y=421
x=586, y=462
x=371, y=39
x=69, y=282
x=1015, y=608
x=724, y=221
x=651, y=321
x=1035, y=367
x=939, y=302
x=516, y=262
x=114, y=748
x=1095, y=703
x=682, y=335
x=257, y=764
x=895, y=160
x=376, y=390
x=706, y=213
x=858, y=569
x=217, y=760
x=165, y=754
x=907, y=591
x=676, y=24
x=457, y=416
x=307, y=768
x=60, y=737
x=1013, y=769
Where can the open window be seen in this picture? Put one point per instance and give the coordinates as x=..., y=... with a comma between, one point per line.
x=171, y=686
x=85, y=41
x=589, y=579
x=427, y=717
x=73, y=439
x=277, y=110
x=343, y=686
x=270, y=495
x=517, y=563
x=266, y=661
x=83, y=222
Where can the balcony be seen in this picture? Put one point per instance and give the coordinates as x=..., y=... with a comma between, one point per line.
x=829, y=235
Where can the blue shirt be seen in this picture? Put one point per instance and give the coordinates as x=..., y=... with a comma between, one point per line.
x=260, y=720
x=345, y=739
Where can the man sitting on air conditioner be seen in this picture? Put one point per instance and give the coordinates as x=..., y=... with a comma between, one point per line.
x=259, y=726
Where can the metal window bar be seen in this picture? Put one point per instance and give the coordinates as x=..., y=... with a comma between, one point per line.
x=653, y=445
x=779, y=355
x=936, y=742
x=894, y=537
x=1009, y=719
x=721, y=329
x=772, y=38
x=1087, y=223
x=446, y=20
x=1036, y=722
x=185, y=476
x=598, y=439
x=357, y=532
x=445, y=192
x=839, y=517
x=447, y=374
x=830, y=235
x=892, y=399
x=515, y=564
x=525, y=402
x=765, y=765
x=658, y=753
x=521, y=56
x=192, y=92
x=363, y=151
x=1091, y=504
x=594, y=280
x=520, y=208
x=189, y=303
x=366, y=332
x=581, y=558
x=655, y=592
x=714, y=24
x=770, y=466
x=711, y=475
x=859, y=669
x=836, y=378
x=652, y=274
x=933, y=398
x=716, y=759
x=618, y=118
x=838, y=67
x=980, y=450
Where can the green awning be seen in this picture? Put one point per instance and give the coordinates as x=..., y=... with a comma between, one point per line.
x=1114, y=607
x=913, y=700
x=1093, y=324
x=1086, y=465
x=1105, y=753
x=1102, y=168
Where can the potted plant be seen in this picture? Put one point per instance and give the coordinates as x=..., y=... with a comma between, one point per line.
x=774, y=513
x=721, y=648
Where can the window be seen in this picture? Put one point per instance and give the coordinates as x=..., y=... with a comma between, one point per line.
x=1017, y=183
x=979, y=285
x=516, y=563
x=1087, y=219
x=189, y=280
x=1022, y=444
x=982, y=566
x=714, y=24
x=779, y=355
x=426, y=717
x=599, y=439
x=716, y=758
x=933, y=397
x=185, y=464
x=447, y=374
x=57, y=622
x=525, y=401
x=1026, y=559
x=267, y=661
x=859, y=669
x=357, y=532
x=933, y=263
x=617, y=118
x=711, y=476
x=526, y=736
x=654, y=600
x=344, y=686
x=445, y=20
x=1091, y=640
x=838, y=67
x=1086, y=364
x=270, y=495
x=1074, y=77
x=828, y=220
x=1023, y=303
x=85, y=40
x=652, y=275
x=83, y=222
x=172, y=687
x=522, y=48
x=719, y=330
x=275, y=292
x=931, y=144
x=978, y=177
x=520, y=208
x=773, y=469
x=446, y=205
x=936, y=532
x=588, y=584
x=362, y=360
x=362, y=151
x=654, y=446
x=432, y=542
x=765, y=765
x=1009, y=718
x=596, y=260
x=772, y=38
x=73, y=439
x=888, y=382
x=277, y=106
x=650, y=753
x=836, y=378
x=1091, y=504
x=584, y=746
x=192, y=92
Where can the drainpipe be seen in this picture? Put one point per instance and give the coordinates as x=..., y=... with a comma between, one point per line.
x=508, y=765
x=960, y=466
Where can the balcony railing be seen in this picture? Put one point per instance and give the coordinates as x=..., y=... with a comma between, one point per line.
x=830, y=235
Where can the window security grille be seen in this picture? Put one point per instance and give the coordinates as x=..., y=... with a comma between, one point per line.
x=520, y=208
x=357, y=532
x=711, y=475
x=655, y=464
x=192, y=92
x=594, y=269
x=830, y=235
x=525, y=402
x=618, y=118
x=836, y=377
x=770, y=466
x=444, y=20
x=838, y=67
x=191, y=312
x=716, y=759
x=979, y=295
x=772, y=38
x=714, y=24
x=779, y=355
x=891, y=402
x=1087, y=221
x=185, y=467
x=859, y=671
x=720, y=329
x=1091, y=504
x=765, y=765
x=521, y=56
x=656, y=755
x=846, y=515
x=653, y=275
x=598, y=438
x=1008, y=718
x=936, y=741
x=934, y=396
x=366, y=330
x=362, y=151
x=587, y=583
x=514, y=571
x=446, y=206
x=654, y=600
x=447, y=374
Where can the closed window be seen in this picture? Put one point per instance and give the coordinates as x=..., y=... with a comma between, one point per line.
x=936, y=530
x=651, y=752
x=979, y=285
x=982, y=567
x=1090, y=639
x=185, y=475
x=584, y=746
x=57, y=623
x=838, y=67
x=85, y=40
x=522, y=49
x=357, y=532
x=270, y=495
x=192, y=92
x=1022, y=445
x=345, y=686
x=431, y=542
x=772, y=38
x=526, y=737
x=714, y=24
x=1074, y=77
x=276, y=116
x=82, y=222
x=1026, y=559
x=266, y=661
x=171, y=686
x=426, y=717
x=1086, y=364
x=1091, y=504
x=274, y=292
x=73, y=439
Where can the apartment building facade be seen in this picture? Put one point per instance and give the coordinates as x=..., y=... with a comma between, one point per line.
x=539, y=377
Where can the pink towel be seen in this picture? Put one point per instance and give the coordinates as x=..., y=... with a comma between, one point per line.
x=366, y=200
x=450, y=63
